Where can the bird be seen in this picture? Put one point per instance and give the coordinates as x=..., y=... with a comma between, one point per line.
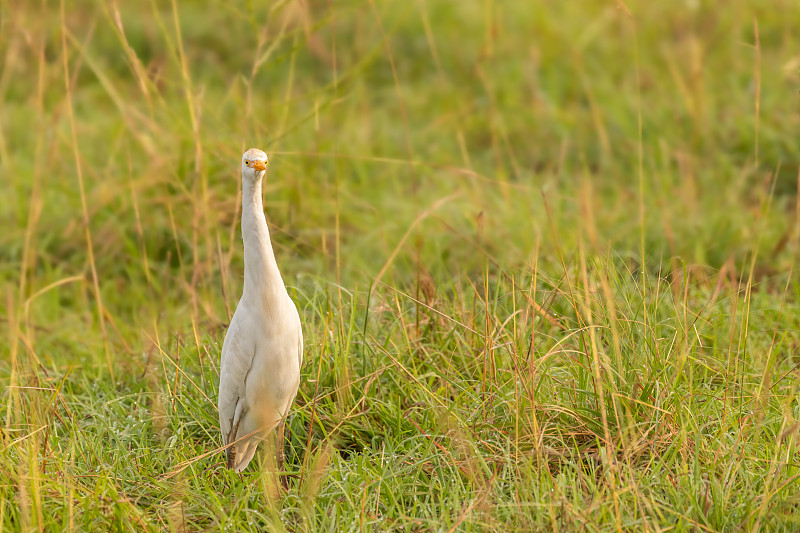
x=263, y=348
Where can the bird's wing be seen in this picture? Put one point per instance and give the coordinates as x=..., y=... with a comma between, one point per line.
x=238, y=351
x=300, y=347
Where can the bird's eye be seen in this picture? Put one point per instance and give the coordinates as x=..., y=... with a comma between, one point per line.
x=247, y=163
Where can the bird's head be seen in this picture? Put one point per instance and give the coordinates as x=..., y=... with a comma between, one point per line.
x=254, y=164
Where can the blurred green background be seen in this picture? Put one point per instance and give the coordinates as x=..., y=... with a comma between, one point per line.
x=503, y=103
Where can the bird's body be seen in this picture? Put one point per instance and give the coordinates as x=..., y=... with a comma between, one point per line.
x=263, y=348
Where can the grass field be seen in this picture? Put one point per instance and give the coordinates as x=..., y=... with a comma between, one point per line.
x=545, y=254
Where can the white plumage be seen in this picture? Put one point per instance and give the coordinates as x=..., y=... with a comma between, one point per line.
x=263, y=348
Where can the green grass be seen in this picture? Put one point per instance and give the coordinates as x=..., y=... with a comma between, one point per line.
x=545, y=255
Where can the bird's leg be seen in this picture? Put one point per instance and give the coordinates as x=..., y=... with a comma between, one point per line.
x=231, y=455
x=231, y=450
x=280, y=457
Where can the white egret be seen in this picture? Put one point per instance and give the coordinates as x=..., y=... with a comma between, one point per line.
x=263, y=348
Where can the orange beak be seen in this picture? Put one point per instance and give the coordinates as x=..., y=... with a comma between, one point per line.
x=259, y=165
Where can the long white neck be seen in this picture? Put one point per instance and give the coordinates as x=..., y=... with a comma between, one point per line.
x=262, y=279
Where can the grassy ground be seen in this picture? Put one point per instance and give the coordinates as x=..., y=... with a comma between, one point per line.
x=545, y=255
